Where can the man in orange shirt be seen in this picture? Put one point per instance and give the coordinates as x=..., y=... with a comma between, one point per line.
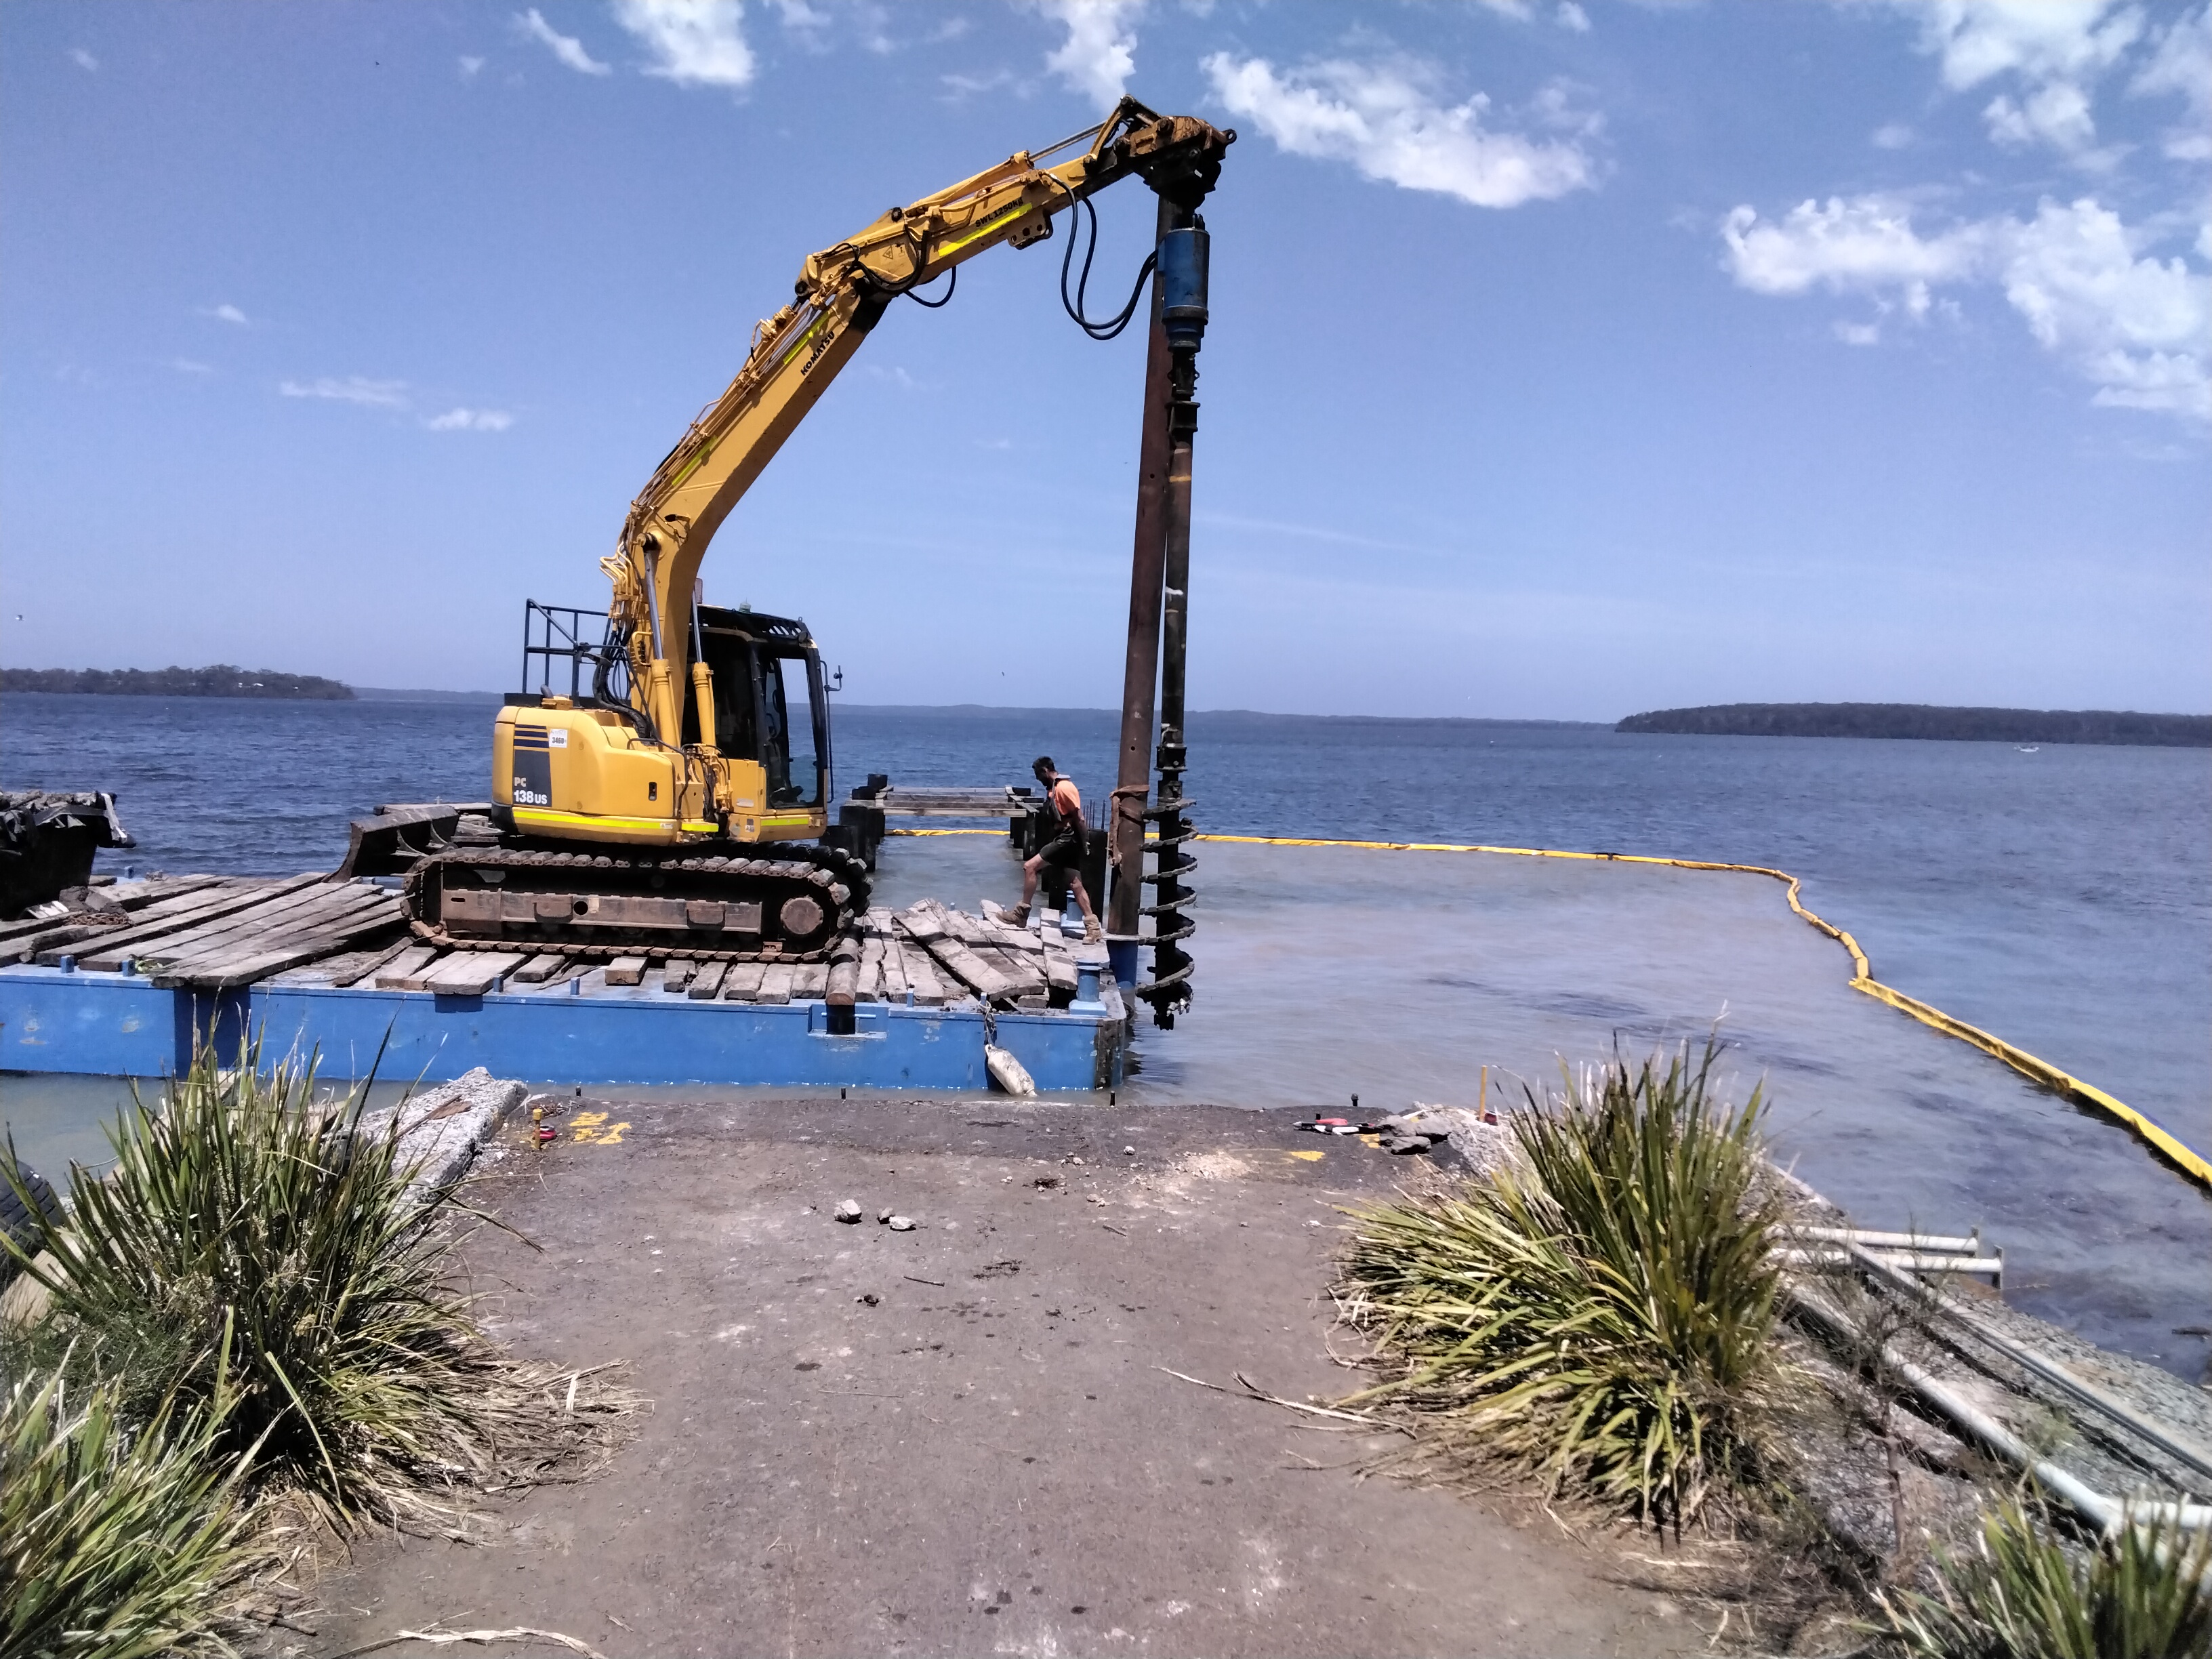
x=1063, y=848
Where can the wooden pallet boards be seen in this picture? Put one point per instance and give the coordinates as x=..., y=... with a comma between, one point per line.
x=675, y=975
x=809, y=978
x=919, y=969
x=775, y=984
x=626, y=970
x=539, y=969
x=141, y=902
x=707, y=984
x=743, y=982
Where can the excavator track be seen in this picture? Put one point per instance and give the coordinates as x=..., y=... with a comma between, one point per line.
x=791, y=908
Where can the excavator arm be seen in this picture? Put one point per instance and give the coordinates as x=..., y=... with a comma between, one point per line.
x=840, y=293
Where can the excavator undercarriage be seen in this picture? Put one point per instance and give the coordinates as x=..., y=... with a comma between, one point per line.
x=707, y=907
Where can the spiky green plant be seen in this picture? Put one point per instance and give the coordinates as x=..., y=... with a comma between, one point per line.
x=247, y=1216
x=115, y=1541
x=1602, y=1312
x=2021, y=1594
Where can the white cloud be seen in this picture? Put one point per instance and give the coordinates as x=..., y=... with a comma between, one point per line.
x=1100, y=53
x=2183, y=63
x=469, y=66
x=228, y=313
x=190, y=365
x=1895, y=135
x=1859, y=334
x=2057, y=48
x=1383, y=120
x=354, y=389
x=1572, y=16
x=2138, y=328
x=566, y=47
x=694, y=42
x=471, y=420
x=84, y=60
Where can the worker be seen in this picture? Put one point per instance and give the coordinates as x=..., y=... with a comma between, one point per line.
x=1066, y=834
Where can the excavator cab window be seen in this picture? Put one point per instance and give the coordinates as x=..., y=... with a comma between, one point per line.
x=791, y=746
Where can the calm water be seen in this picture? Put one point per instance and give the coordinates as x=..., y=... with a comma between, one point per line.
x=2062, y=898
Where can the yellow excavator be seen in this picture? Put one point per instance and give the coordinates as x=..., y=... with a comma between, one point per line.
x=666, y=789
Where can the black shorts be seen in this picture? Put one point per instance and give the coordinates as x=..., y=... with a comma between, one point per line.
x=1065, y=851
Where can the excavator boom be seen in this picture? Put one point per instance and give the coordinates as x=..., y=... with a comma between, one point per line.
x=632, y=819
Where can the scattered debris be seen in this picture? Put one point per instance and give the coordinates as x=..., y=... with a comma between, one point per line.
x=848, y=1211
x=900, y=1223
x=1128, y=1151
x=478, y=1638
x=884, y=1215
x=868, y=1298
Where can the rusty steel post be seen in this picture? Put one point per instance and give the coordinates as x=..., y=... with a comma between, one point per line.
x=1140, y=670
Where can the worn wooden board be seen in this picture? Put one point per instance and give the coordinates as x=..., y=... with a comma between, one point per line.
x=626, y=970
x=471, y=973
x=206, y=905
x=707, y=984
x=144, y=900
x=284, y=911
x=676, y=976
x=809, y=978
x=404, y=971
x=539, y=969
x=775, y=984
x=743, y=981
x=306, y=928
x=923, y=983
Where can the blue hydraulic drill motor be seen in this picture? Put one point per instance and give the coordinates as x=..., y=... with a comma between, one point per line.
x=1182, y=257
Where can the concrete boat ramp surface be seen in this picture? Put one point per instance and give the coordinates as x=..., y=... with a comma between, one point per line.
x=960, y=1438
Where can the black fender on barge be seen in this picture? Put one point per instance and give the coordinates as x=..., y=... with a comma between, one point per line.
x=706, y=906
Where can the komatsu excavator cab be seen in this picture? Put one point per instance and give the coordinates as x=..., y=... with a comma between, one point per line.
x=576, y=760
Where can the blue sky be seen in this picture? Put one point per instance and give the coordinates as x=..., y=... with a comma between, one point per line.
x=1567, y=359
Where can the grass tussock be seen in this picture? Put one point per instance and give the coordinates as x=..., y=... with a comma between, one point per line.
x=1601, y=1312
x=116, y=1540
x=252, y=1311
x=2023, y=1595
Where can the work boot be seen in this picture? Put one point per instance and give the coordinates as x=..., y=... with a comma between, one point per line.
x=1016, y=918
x=1092, y=932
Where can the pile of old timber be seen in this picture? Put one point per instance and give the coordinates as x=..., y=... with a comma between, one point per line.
x=209, y=933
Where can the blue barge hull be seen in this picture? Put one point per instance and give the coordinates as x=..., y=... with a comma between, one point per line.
x=118, y=1024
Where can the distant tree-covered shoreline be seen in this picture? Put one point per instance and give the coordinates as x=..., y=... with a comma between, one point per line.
x=221, y=680
x=1918, y=719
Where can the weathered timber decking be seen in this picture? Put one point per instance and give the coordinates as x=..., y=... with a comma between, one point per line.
x=328, y=962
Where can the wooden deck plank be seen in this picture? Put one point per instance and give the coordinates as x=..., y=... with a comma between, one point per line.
x=743, y=981
x=539, y=969
x=471, y=973
x=318, y=926
x=261, y=916
x=920, y=971
x=707, y=983
x=775, y=983
x=626, y=970
x=676, y=975
x=204, y=906
x=168, y=890
x=809, y=978
x=404, y=971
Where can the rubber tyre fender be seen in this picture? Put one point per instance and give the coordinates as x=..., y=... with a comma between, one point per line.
x=16, y=1220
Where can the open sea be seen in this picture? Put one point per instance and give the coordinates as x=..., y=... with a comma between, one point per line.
x=2061, y=899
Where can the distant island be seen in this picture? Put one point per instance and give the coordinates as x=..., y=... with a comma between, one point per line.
x=1920, y=720
x=222, y=680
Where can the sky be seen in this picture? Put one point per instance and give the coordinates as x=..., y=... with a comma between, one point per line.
x=1568, y=358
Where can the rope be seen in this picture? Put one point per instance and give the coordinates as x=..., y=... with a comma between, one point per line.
x=2068, y=1086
